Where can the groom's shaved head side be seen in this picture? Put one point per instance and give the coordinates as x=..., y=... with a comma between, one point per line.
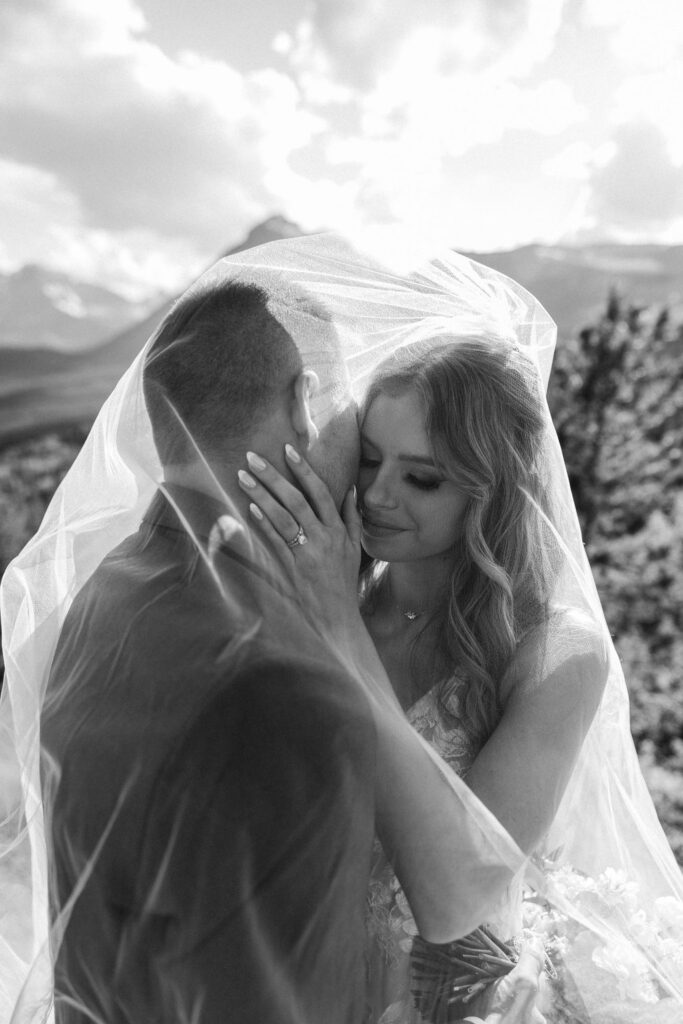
x=222, y=357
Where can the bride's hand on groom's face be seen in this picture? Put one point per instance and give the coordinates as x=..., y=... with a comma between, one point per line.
x=319, y=549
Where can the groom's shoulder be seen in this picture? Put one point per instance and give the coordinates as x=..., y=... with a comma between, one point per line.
x=287, y=688
x=281, y=708
x=277, y=726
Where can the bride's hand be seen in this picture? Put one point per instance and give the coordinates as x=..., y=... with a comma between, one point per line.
x=319, y=550
x=512, y=1000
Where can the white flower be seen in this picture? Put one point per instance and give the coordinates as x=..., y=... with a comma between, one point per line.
x=644, y=930
x=402, y=904
x=669, y=912
x=410, y=928
x=629, y=968
x=616, y=890
x=570, y=884
x=535, y=916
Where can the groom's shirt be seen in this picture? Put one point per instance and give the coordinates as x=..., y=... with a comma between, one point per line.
x=214, y=812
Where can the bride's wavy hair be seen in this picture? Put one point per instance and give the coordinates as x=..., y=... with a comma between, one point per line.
x=485, y=420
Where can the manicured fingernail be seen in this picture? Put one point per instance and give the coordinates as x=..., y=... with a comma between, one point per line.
x=292, y=453
x=228, y=527
x=255, y=511
x=255, y=461
x=245, y=478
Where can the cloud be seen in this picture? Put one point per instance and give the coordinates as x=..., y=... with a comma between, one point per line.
x=358, y=41
x=143, y=159
x=640, y=186
x=642, y=36
x=655, y=98
x=184, y=147
x=409, y=86
x=43, y=223
x=572, y=163
x=637, y=186
x=125, y=164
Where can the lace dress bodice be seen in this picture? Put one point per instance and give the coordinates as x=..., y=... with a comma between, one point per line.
x=449, y=738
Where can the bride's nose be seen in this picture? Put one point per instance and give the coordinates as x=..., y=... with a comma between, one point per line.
x=380, y=493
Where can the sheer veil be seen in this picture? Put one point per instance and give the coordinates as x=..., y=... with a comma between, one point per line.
x=604, y=887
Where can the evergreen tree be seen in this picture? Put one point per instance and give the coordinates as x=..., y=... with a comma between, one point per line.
x=617, y=400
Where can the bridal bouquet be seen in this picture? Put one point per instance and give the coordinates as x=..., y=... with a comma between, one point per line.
x=445, y=979
x=611, y=958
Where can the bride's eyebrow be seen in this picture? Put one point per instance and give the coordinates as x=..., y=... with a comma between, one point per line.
x=424, y=460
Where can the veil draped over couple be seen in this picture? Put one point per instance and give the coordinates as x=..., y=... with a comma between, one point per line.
x=311, y=714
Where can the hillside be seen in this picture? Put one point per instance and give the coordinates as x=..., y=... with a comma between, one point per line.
x=42, y=389
x=572, y=283
x=617, y=402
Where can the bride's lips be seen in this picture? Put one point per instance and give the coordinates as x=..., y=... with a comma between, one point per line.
x=378, y=528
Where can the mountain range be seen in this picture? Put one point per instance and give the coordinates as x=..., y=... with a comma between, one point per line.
x=42, y=308
x=64, y=344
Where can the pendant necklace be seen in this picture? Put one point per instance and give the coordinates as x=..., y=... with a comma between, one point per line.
x=410, y=614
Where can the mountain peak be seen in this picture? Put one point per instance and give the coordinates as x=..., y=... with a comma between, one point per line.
x=270, y=230
x=29, y=274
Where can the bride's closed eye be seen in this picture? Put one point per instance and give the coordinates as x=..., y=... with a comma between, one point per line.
x=423, y=484
x=419, y=482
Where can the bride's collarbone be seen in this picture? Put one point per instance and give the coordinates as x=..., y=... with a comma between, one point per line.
x=393, y=638
x=409, y=674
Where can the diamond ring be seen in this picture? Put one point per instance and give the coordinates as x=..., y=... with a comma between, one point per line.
x=300, y=538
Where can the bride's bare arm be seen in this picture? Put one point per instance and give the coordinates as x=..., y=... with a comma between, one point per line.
x=522, y=771
x=450, y=855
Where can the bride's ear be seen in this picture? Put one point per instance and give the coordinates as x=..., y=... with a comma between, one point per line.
x=306, y=386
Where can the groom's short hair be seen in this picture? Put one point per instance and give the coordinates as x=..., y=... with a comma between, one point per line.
x=222, y=356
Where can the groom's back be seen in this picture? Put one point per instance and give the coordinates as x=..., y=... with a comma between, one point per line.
x=215, y=801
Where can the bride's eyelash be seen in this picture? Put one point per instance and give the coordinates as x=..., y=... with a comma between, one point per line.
x=414, y=481
x=423, y=485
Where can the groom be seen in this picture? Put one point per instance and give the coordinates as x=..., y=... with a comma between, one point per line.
x=213, y=816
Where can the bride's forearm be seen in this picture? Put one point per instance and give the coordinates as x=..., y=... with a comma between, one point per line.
x=450, y=855
x=436, y=834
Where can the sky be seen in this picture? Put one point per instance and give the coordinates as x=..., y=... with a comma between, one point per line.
x=139, y=139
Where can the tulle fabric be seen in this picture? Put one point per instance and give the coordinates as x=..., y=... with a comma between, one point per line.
x=603, y=889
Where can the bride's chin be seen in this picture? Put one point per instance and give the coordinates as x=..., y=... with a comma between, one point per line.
x=377, y=547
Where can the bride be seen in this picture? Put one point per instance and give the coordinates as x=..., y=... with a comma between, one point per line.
x=477, y=599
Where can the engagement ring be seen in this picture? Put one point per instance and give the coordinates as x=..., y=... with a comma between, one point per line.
x=300, y=538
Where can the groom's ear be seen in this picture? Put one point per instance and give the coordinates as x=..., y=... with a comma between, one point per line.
x=306, y=386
